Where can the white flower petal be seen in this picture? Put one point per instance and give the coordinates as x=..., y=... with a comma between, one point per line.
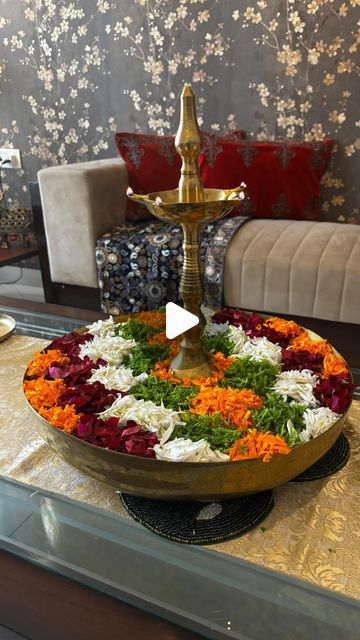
x=120, y=378
x=317, y=421
x=290, y=426
x=109, y=348
x=185, y=450
x=149, y=415
x=297, y=385
x=239, y=338
x=208, y=312
x=258, y=349
x=212, y=329
x=102, y=327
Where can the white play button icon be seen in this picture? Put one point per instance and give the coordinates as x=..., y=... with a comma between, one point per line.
x=178, y=320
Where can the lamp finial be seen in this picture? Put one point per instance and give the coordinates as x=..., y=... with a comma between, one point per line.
x=188, y=146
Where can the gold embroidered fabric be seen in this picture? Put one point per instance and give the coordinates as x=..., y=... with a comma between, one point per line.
x=313, y=532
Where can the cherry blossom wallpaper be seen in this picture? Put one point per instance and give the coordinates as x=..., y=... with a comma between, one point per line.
x=74, y=71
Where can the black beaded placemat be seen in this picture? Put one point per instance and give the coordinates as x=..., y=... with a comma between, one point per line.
x=212, y=522
x=334, y=460
x=200, y=522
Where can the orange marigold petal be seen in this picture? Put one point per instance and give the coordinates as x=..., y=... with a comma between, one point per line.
x=221, y=363
x=256, y=444
x=233, y=404
x=43, y=393
x=42, y=361
x=333, y=366
x=154, y=319
x=303, y=342
x=165, y=373
x=64, y=418
x=158, y=338
x=288, y=328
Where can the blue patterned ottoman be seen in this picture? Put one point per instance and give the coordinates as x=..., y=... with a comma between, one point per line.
x=139, y=265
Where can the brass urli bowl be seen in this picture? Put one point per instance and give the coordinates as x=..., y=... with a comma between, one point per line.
x=188, y=481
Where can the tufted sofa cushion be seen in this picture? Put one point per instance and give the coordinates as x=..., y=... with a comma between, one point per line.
x=295, y=267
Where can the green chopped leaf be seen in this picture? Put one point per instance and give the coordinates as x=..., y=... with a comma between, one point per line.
x=136, y=330
x=219, y=433
x=144, y=357
x=172, y=396
x=245, y=373
x=219, y=342
x=274, y=416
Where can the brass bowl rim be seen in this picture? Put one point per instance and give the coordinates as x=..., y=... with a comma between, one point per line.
x=166, y=463
x=151, y=197
x=11, y=322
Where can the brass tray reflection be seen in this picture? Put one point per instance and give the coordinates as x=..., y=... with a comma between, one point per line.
x=188, y=481
x=7, y=326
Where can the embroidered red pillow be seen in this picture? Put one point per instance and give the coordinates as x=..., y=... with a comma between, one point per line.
x=154, y=164
x=282, y=178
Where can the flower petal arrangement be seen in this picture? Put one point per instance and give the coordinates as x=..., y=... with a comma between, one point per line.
x=272, y=388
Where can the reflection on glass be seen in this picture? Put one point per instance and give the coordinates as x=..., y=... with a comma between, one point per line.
x=208, y=592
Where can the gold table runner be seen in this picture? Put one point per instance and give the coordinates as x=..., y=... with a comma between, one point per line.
x=312, y=533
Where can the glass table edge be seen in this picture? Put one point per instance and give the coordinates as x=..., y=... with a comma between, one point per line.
x=218, y=560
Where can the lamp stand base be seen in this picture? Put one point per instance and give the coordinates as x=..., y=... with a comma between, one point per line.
x=191, y=364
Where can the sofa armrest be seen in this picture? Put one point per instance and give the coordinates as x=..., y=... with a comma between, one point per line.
x=80, y=202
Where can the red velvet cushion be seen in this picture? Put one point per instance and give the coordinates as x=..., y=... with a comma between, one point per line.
x=154, y=164
x=282, y=178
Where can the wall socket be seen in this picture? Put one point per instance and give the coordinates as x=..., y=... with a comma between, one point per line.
x=13, y=155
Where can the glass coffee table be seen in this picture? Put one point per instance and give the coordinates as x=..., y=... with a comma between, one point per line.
x=162, y=589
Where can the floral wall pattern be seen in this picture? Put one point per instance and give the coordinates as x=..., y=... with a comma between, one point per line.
x=73, y=72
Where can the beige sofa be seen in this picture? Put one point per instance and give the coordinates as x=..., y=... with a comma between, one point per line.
x=299, y=268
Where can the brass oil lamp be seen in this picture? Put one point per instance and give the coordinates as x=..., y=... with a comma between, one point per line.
x=190, y=205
